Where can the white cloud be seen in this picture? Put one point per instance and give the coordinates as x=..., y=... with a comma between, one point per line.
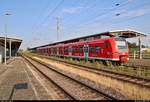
x=73, y=10
x=136, y=12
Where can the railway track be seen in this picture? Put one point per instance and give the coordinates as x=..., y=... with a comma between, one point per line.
x=137, y=67
x=75, y=89
x=140, y=81
x=56, y=86
x=59, y=93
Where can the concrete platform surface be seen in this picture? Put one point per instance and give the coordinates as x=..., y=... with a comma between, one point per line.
x=18, y=83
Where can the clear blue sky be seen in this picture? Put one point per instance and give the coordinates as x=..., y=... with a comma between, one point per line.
x=34, y=21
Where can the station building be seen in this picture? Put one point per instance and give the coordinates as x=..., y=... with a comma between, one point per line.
x=12, y=47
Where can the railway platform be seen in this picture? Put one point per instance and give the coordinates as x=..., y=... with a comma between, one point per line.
x=17, y=82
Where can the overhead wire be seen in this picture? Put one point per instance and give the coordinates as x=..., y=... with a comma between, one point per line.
x=131, y=18
x=92, y=21
x=101, y=14
x=45, y=8
x=34, y=30
x=40, y=15
x=53, y=10
x=57, y=6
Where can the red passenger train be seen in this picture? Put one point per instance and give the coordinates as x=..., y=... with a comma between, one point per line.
x=106, y=49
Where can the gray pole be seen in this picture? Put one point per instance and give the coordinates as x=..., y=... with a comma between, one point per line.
x=7, y=14
x=10, y=48
x=140, y=53
x=5, y=42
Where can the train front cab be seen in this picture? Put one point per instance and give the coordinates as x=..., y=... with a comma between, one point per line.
x=120, y=50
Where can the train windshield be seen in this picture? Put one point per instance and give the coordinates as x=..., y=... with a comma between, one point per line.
x=122, y=46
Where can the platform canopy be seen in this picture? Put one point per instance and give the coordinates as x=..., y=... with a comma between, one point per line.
x=14, y=42
x=127, y=34
x=119, y=33
x=11, y=42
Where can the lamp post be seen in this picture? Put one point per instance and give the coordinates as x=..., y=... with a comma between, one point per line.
x=6, y=14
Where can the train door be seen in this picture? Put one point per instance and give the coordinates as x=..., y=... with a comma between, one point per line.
x=70, y=51
x=86, y=52
x=57, y=50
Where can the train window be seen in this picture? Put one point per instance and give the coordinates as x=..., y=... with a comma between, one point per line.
x=55, y=50
x=98, y=49
x=51, y=49
x=74, y=50
x=66, y=49
x=60, y=50
x=69, y=49
x=78, y=49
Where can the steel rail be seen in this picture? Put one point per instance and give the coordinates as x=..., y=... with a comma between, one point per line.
x=49, y=79
x=106, y=95
x=92, y=69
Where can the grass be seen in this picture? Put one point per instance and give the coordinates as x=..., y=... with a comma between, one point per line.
x=100, y=65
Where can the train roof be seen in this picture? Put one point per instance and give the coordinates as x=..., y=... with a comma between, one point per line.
x=118, y=33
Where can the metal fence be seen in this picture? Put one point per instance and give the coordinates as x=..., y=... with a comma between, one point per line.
x=136, y=55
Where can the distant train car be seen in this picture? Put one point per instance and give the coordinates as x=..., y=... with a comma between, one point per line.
x=106, y=49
